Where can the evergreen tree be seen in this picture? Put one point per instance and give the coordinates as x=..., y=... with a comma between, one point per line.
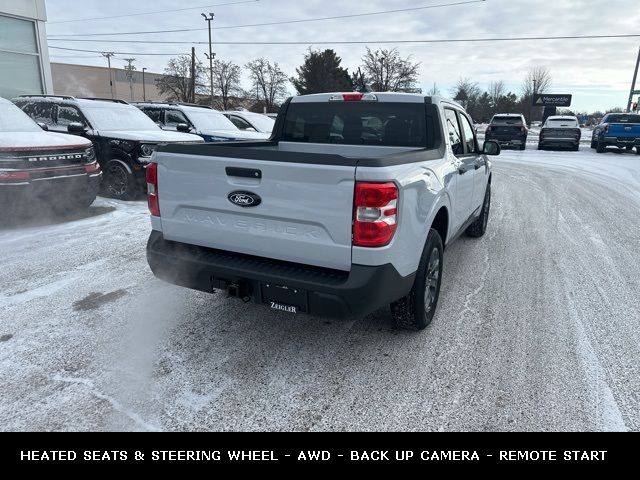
x=320, y=73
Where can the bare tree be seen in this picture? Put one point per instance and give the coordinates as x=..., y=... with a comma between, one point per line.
x=537, y=80
x=387, y=71
x=226, y=83
x=466, y=93
x=496, y=92
x=269, y=81
x=175, y=85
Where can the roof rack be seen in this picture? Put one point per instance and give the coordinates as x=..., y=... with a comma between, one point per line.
x=113, y=100
x=44, y=95
x=183, y=104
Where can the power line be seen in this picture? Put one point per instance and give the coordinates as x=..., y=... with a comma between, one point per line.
x=116, y=53
x=153, y=13
x=365, y=42
x=284, y=22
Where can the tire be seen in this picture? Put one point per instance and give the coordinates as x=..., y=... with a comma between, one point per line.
x=637, y=150
x=601, y=147
x=629, y=148
x=594, y=144
x=523, y=146
x=416, y=310
x=540, y=147
x=118, y=182
x=576, y=148
x=478, y=228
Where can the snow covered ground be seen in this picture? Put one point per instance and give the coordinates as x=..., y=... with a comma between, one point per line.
x=538, y=326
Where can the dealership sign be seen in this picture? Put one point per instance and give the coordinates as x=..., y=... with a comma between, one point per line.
x=551, y=100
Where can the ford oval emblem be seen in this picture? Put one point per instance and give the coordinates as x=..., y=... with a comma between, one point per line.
x=244, y=199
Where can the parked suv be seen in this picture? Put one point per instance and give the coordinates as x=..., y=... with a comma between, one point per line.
x=347, y=209
x=560, y=131
x=509, y=130
x=620, y=130
x=60, y=170
x=124, y=138
x=204, y=121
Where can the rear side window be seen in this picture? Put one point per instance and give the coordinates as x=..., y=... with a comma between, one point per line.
x=360, y=123
x=154, y=114
x=41, y=112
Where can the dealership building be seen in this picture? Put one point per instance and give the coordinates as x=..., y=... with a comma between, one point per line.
x=24, y=57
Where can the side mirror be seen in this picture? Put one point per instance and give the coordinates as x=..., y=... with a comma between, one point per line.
x=43, y=126
x=491, y=147
x=183, y=127
x=76, y=128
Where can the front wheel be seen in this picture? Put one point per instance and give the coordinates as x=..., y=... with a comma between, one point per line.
x=416, y=310
x=119, y=182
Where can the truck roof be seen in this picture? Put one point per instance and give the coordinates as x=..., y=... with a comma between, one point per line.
x=396, y=97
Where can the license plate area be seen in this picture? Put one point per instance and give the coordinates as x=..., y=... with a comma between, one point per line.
x=284, y=298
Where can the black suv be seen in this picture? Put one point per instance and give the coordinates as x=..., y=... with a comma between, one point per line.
x=509, y=130
x=124, y=138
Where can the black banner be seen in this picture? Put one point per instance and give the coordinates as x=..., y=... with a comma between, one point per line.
x=496, y=452
x=552, y=100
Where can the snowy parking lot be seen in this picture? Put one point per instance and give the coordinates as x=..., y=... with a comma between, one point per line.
x=538, y=326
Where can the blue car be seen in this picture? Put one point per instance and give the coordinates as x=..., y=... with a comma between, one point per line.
x=620, y=130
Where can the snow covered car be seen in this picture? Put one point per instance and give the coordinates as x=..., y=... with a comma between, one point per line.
x=560, y=131
x=509, y=130
x=251, y=121
x=620, y=130
x=124, y=137
x=58, y=169
x=202, y=120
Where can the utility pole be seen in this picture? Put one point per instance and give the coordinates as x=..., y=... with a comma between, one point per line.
x=209, y=19
x=130, y=68
x=193, y=75
x=633, y=84
x=108, y=56
x=144, y=86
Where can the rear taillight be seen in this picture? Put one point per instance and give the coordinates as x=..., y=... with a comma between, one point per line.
x=375, y=214
x=152, y=189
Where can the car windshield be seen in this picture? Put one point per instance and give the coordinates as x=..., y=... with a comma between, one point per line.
x=264, y=123
x=506, y=121
x=118, y=117
x=561, y=122
x=205, y=119
x=622, y=119
x=12, y=119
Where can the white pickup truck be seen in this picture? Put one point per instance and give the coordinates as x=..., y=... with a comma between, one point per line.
x=346, y=209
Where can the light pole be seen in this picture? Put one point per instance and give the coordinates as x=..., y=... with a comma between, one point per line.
x=144, y=86
x=108, y=56
x=209, y=19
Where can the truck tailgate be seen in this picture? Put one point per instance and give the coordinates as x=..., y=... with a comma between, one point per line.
x=631, y=130
x=304, y=213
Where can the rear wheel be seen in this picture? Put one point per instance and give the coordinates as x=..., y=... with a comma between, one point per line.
x=629, y=148
x=416, y=310
x=540, y=147
x=601, y=147
x=594, y=144
x=479, y=227
x=118, y=182
x=523, y=146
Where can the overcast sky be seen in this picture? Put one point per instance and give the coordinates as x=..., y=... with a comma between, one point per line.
x=598, y=72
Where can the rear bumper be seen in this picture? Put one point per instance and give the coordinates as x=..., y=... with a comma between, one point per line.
x=327, y=293
x=508, y=140
x=621, y=141
x=559, y=142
